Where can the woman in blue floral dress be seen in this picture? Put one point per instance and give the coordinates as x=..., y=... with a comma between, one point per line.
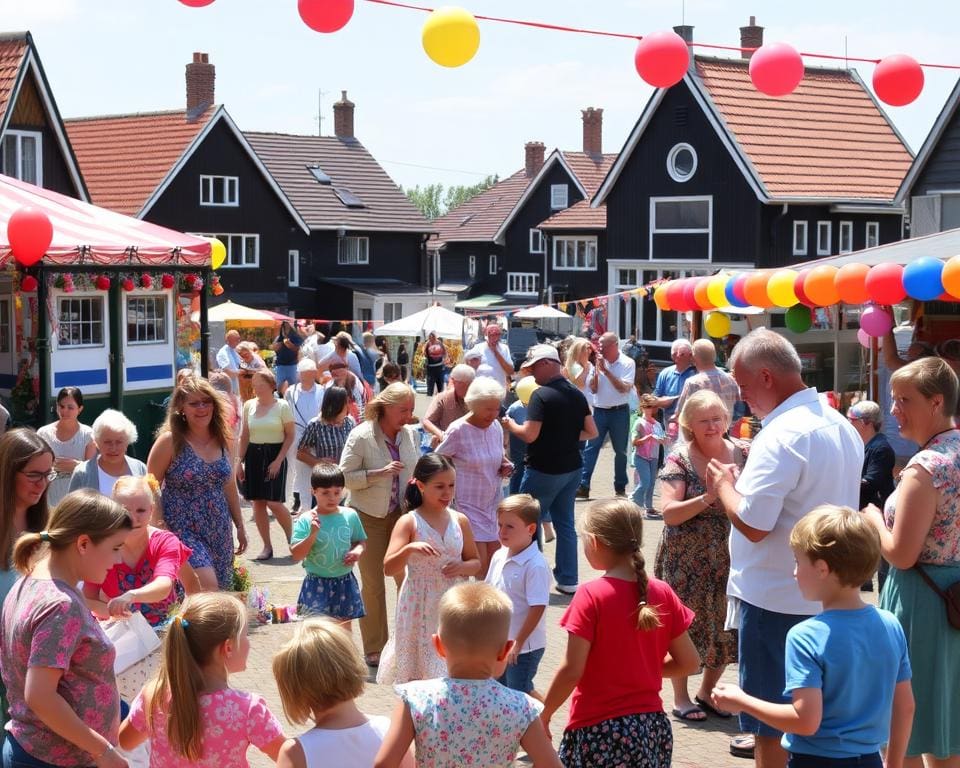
x=194, y=457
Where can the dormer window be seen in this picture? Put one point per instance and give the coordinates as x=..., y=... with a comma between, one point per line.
x=558, y=196
x=22, y=156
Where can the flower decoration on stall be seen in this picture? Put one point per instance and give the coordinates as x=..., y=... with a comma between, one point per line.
x=146, y=280
x=167, y=281
x=191, y=282
x=215, y=287
x=103, y=283
x=28, y=284
x=127, y=284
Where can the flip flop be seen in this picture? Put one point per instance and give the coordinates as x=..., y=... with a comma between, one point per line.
x=743, y=745
x=687, y=714
x=707, y=707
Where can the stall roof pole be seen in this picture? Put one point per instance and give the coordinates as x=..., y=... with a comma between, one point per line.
x=204, y=326
x=42, y=347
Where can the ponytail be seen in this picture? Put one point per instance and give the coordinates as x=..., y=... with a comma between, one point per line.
x=26, y=548
x=428, y=465
x=412, y=498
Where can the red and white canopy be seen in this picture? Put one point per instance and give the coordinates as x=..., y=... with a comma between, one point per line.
x=86, y=234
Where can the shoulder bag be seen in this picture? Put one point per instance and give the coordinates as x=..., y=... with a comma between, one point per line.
x=950, y=596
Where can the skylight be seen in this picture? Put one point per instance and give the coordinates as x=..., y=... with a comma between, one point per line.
x=348, y=198
x=319, y=175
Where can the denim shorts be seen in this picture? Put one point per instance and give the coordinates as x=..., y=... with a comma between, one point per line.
x=763, y=644
x=520, y=676
x=286, y=373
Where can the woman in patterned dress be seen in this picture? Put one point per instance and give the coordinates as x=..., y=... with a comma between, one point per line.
x=692, y=556
x=192, y=457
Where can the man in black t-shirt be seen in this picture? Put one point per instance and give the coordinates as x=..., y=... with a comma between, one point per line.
x=558, y=418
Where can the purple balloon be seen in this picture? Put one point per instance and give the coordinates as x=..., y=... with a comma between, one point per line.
x=875, y=322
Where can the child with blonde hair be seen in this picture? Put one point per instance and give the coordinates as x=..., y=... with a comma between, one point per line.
x=467, y=717
x=625, y=633
x=189, y=712
x=321, y=652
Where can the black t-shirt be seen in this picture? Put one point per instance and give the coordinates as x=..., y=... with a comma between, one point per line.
x=285, y=355
x=560, y=408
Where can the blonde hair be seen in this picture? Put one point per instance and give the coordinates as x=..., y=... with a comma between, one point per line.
x=930, y=376
x=617, y=525
x=17, y=448
x=523, y=505
x=573, y=354
x=704, y=352
x=699, y=402
x=81, y=513
x=323, y=654
x=839, y=536
x=129, y=485
x=206, y=621
x=394, y=394
x=176, y=422
x=474, y=617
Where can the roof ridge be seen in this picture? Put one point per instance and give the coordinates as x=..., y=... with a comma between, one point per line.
x=746, y=63
x=130, y=115
x=4, y=36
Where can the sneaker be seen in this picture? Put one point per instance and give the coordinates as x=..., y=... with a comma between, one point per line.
x=567, y=589
x=621, y=494
x=583, y=492
x=652, y=514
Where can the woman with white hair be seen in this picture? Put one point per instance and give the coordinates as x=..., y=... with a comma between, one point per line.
x=449, y=405
x=113, y=433
x=305, y=398
x=475, y=443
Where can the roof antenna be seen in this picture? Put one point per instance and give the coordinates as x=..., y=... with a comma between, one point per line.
x=320, y=117
x=846, y=63
x=683, y=12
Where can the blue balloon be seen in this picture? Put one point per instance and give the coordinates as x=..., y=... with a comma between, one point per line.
x=731, y=296
x=922, y=279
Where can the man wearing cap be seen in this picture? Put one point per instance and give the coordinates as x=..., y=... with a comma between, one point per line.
x=558, y=418
x=305, y=399
x=494, y=356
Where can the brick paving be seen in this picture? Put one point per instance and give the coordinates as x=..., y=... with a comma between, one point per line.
x=695, y=744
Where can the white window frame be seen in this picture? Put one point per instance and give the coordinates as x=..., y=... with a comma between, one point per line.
x=492, y=264
x=672, y=157
x=846, y=231
x=293, y=268
x=681, y=199
x=565, y=267
x=226, y=239
x=523, y=283
x=395, y=311
x=798, y=227
x=872, y=226
x=61, y=323
x=358, y=260
x=559, y=197
x=18, y=171
x=472, y=265
x=142, y=297
x=6, y=326
x=206, y=191
x=826, y=226
x=536, y=241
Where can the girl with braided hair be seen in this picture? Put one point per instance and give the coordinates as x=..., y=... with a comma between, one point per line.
x=625, y=633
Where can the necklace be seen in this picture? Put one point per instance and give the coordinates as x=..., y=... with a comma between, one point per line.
x=934, y=437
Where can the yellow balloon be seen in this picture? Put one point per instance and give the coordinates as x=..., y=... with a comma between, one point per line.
x=218, y=253
x=451, y=36
x=780, y=288
x=717, y=324
x=717, y=290
x=525, y=388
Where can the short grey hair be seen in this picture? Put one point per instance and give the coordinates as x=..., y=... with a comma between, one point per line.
x=763, y=348
x=484, y=388
x=679, y=344
x=868, y=411
x=463, y=372
x=116, y=422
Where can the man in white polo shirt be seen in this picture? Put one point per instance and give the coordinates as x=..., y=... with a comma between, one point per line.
x=495, y=360
x=805, y=455
x=610, y=382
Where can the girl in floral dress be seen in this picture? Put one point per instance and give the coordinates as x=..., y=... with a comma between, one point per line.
x=435, y=545
x=189, y=711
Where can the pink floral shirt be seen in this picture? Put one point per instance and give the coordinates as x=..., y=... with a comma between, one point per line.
x=233, y=720
x=47, y=624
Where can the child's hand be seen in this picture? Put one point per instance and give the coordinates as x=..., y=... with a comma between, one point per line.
x=514, y=652
x=422, y=548
x=314, y=522
x=119, y=606
x=351, y=557
x=727, y=696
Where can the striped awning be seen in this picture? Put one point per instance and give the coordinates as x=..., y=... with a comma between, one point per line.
x=86, y=234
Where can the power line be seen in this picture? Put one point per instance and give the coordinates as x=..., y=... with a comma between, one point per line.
x=435, y=168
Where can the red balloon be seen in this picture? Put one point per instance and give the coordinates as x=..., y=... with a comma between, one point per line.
x=690, y=295
x=325, y=15
x=29, y=284
x=798, y=288
x=196, y=3
x=662, y=58
x=898, y=79
x=884, y=284
x=776, y=69
x=29, y=233
x=675, y=294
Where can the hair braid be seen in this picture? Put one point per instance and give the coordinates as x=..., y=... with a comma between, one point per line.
x=647, y=615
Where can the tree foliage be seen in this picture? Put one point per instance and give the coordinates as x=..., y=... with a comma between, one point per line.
x=434, y=200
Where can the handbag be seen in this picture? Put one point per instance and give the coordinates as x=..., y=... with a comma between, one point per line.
x=950, y=596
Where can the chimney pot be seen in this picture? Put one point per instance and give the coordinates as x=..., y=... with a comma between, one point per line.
x=534, y=152
x=685, y=31
x=200, y=77
x=592, y=131
x=751, y=38
x=343, y=117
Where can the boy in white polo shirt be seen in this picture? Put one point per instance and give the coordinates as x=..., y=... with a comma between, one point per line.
x=520, y=571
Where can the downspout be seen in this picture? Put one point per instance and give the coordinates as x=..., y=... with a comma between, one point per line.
x=546, y=251
x=42, y=336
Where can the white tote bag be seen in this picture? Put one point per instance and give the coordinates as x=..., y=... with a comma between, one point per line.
x=133, y=639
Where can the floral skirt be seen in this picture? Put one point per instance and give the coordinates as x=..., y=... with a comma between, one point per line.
x=632, y=741
x=337, y=597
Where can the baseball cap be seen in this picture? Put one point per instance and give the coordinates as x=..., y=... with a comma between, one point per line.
x=470, y=354
x=541, y=352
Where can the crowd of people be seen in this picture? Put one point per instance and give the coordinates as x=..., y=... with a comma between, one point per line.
x=765, y=549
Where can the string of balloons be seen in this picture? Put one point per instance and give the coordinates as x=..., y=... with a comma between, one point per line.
x=451, y=38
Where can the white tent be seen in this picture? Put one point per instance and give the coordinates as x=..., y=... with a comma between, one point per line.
x=441, y=321
x=542, y=312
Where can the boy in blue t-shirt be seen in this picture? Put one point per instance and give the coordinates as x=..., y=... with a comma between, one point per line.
x=847, y=668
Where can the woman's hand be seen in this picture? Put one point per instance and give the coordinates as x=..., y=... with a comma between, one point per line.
x=111, y=759
x=422, y=548
x=241, y=541
x=119, y=607
x=506, y=469
x=241, y=473
x=64, y=465
x=457, y=568
x=273, y=469
x=393, y=468
x=545, y=719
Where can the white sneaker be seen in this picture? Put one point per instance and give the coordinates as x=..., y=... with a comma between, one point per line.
x=567, y=589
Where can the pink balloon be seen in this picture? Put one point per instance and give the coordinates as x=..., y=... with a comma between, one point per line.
x=776, y=69
x=196, y=3
x=29, y=233
x=898, y=79
x=325, y=15
x=662, y=58
x=875, y=321
x=864, y=338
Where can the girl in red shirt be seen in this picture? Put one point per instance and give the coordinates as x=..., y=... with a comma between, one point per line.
x=625, y=633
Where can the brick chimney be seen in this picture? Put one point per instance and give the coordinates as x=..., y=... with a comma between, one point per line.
x=686, y=32
x=592, y=131
x=343, y=117
x=751, y=36
x=534, y=152
x=201, y=75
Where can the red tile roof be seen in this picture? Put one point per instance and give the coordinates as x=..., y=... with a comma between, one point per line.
x=827, y=139
x=13, y=48
x=578, y=216
x=478, y=219
x=349, y=166
x=124, y=158
x=590, y=169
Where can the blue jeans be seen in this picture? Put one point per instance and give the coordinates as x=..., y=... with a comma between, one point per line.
x=557, y=495
x=520, y=676
x=616, y=423
x=646, y=470
x=516, y=478
x=286, y=373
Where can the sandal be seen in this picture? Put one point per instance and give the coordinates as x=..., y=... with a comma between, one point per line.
x=743, y=745
x=372, y=659
x=706, y=706
x=267, y=554
x=689, y=714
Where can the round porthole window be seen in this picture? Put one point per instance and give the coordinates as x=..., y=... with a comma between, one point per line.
x=682, y=162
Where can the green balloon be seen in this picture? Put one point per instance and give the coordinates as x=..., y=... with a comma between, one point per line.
x=799, y=318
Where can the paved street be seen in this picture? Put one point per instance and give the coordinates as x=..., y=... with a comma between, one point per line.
x=699, y=744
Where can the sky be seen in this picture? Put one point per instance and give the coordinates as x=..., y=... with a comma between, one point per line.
x=426, y=123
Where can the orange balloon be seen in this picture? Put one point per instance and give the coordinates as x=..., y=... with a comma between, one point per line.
x=851, y=283
x=700, y=294
x=660, y=297
x=819, y=286
x=755, y=289
x=951, y=276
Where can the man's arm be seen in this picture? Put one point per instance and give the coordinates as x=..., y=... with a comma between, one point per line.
x=720, y=481
x=891, y=357
x=621, y=383
x=528, y=431
x=589, y=430
x=504, y=362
